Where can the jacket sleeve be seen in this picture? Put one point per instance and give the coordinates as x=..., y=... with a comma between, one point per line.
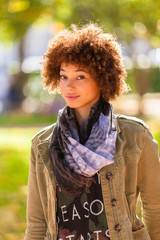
x=36, y=225
x=149, y=185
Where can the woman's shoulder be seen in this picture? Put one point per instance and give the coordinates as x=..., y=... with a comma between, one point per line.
x=132, y=124
x=124, y=119
x=44, y=133
x=134, y=130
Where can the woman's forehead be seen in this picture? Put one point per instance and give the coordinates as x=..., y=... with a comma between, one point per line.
x=74, y=67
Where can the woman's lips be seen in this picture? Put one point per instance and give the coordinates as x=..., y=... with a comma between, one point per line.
x=72, y=97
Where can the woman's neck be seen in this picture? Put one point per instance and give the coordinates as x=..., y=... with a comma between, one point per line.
x=83, y=113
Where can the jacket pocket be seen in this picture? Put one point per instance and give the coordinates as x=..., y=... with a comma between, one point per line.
x=141, y=234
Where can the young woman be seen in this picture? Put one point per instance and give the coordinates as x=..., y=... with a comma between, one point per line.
x=88, y=168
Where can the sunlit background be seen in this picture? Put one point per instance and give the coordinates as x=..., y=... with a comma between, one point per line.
x=26, y=27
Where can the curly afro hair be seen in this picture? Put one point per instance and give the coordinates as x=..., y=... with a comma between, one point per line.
x=91, y=48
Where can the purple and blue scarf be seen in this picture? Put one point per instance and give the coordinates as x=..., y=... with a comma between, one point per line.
x=79, y=152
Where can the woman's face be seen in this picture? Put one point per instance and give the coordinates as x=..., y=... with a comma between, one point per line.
x=78, y=88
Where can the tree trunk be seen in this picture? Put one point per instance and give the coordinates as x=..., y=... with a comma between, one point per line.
x=18, y=81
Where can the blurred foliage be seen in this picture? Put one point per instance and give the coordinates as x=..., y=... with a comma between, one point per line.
x=155, y=83
x=130, y=80
x=123, y=17
x=127, y=19
x=14, y=151
x=17, y=16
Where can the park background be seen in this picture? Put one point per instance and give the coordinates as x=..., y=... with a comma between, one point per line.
x=26, y=27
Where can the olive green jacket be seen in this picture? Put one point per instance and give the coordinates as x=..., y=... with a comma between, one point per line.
x=136, y=169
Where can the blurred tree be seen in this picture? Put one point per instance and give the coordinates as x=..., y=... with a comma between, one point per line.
x=119, y=16
x=125, y=18
x=16, y=18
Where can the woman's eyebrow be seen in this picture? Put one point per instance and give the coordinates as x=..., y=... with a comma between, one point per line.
x=81, y=70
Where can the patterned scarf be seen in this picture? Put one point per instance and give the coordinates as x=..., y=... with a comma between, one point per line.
x=75, y=158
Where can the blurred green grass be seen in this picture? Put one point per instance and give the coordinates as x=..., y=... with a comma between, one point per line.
x=15, y=146
x=21, y=119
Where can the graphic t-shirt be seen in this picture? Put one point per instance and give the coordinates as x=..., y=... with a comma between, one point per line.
x=82, y=217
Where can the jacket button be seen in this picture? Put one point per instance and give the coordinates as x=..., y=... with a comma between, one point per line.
x=114, y=202
x=109, y=176
x=118, y=227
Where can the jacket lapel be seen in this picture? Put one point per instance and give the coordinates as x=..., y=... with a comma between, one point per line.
x=43, y=149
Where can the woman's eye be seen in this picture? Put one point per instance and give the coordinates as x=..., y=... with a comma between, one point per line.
x=81, y=77
x=62, y=77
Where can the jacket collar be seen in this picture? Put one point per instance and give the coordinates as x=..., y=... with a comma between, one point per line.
x=118, y=127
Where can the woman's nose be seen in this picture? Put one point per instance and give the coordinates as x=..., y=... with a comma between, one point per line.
x=70, y=83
